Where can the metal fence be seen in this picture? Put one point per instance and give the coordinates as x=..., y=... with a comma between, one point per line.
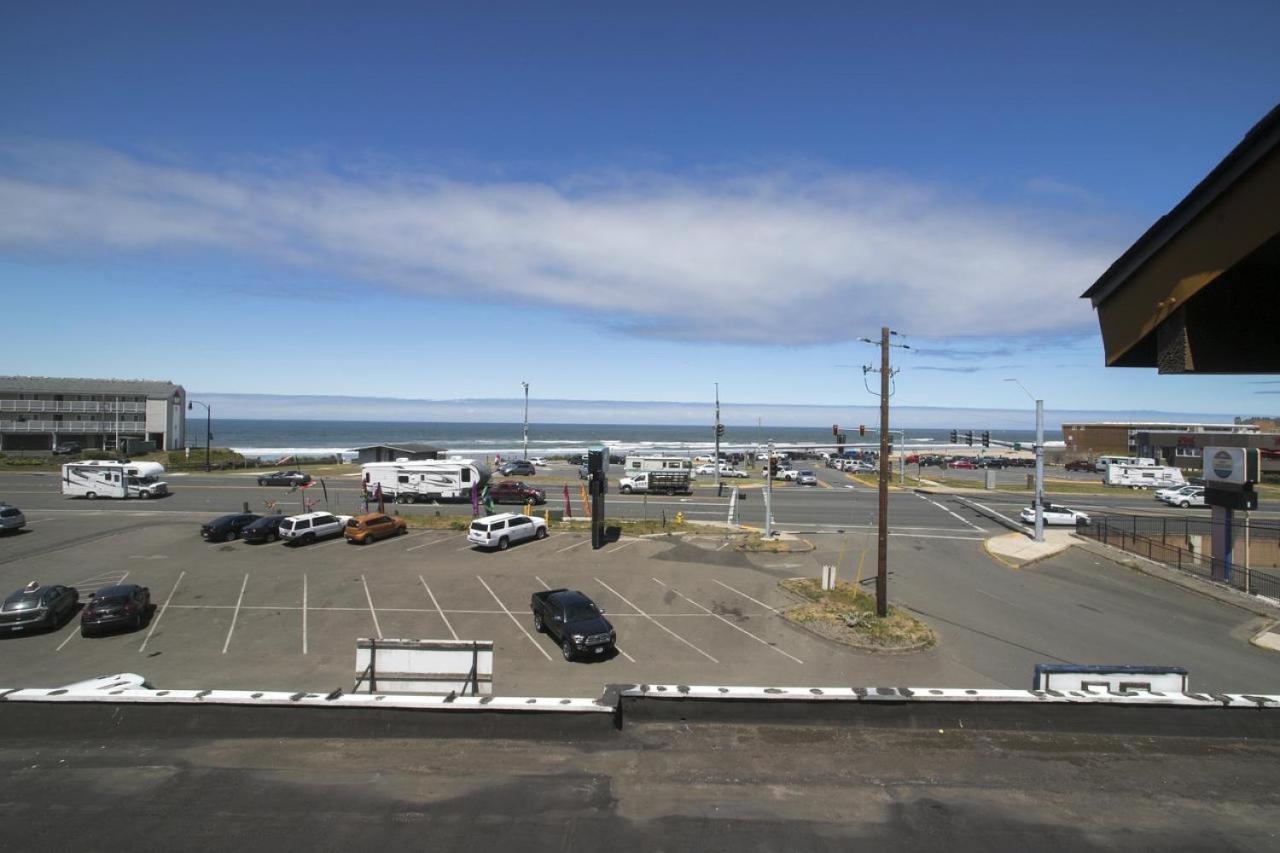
x=1171, y=541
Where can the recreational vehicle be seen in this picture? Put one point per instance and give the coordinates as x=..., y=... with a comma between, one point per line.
x=1143, y=476
x=646, y=464
x=96, y=479
x=1105, y=462
x=425, y=480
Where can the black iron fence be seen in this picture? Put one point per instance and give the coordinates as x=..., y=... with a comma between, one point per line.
x=1185, y=543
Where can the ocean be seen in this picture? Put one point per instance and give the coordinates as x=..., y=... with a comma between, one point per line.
x=268, y=439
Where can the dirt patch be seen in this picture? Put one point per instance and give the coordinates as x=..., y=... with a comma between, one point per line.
x=847, y=615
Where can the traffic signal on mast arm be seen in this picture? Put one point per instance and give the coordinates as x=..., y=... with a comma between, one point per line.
x=986, y=438
x=955, y=437
x=862, y=429
x=968, y=437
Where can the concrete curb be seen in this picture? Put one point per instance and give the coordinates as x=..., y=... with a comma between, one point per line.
x=1268, y=638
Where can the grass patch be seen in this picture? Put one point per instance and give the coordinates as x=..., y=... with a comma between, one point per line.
x=847, y=615
x=757, y=542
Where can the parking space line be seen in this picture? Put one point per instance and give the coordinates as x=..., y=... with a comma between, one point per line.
x=723, y=546
x=760, y=640
x=304, y=614
x=747, y=597
x=466, y=547
x=372, y=612
x=428, y=544
x=234, y=616
x=615, y=645
x=437, y=606
x=655, y=621
x=620, y=547
x=536, y=645
x=155, y=623
x=574, y=545
x=419, y=533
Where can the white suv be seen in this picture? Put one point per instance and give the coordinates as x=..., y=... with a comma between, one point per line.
x=501, y=530
x=1186, y=499
x=307, y=528
x=11, y=518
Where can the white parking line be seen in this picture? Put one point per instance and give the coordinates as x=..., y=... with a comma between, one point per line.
x=934, y=536
x=747, y=597
x=304, y=614
x=372, y=612
x=760, y=640
x=950, y=512
x=574, y=545
x=615, y=645
x=722, y=547
x=234, y=616
x=620, y=547
x=655, y=621
x=428, y=544
x=437, y=606
x=156, y=621
x=419, y=533
x=514, y=619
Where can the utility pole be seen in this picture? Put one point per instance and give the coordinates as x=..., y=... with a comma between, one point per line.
x=1039, y=501
x=526, y=419
x=716, y=460
x=768, y=493
x=886, y=471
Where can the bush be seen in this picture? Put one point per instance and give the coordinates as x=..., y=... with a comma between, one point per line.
x=92, y=454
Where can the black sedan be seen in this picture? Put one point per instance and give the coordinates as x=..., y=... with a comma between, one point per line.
x=121, y=606
x=284, y=478
x=39, y=607
x=224, y=528
x=265, y=529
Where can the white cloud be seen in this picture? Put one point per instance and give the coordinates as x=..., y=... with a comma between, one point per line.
x=769, y=257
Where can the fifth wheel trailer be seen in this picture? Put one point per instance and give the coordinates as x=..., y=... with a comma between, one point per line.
x=425, y=480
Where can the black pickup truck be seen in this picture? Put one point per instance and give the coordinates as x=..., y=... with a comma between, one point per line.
x=574, y=620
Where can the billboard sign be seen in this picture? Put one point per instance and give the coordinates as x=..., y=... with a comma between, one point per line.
x=1230, y=465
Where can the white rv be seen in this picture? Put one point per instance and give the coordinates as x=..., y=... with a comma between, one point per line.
x=425, y=480
x=1143, y=476
x=1105, y=462
x=96, y=479
x=654, y=464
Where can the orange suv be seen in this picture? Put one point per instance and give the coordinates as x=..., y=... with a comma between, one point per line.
x=363, y=529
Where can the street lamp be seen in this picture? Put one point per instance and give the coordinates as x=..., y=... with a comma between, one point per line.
x=208, y=429
x=526, y=419
x=1039, y=460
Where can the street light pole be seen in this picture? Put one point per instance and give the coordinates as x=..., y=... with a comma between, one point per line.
x=208, y=429
x=716, y=461
x=1039, y=532
x=526, y=419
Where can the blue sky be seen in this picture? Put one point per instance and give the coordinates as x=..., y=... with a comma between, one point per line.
x=610, y=201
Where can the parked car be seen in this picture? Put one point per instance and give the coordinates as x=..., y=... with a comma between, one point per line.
x=119, y=606
x=733, y=472
x=38, y=607
x=1055, y=515
x=1078, y=465
x=308, y=527
x=11, y=518
x=537, y=461
x=786, y=474
x=964, y=464
x=363, y=529
x=806, y=478
x=1173, y=491
x=505, y=529
x=66, y=448
x=224, y=528
x=284, y=478
x=1188, y=499
x=513, y=492
x=574, y=620
x=517, y=468
x=583, y=472
x=265, y=529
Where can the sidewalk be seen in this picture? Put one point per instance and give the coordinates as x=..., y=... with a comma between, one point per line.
x=1017, y=550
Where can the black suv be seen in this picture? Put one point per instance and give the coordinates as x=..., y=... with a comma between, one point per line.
x=512, y=492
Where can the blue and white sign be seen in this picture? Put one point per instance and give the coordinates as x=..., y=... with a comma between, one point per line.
x=1230, y=465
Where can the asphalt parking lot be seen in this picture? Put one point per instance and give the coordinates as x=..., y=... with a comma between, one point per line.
x=688, y=609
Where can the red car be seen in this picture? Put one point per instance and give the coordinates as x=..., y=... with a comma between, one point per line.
x=961, y=463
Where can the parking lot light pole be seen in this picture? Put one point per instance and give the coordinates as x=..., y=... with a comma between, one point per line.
x=1039, y=535
x=208, y=429
x=526, y=419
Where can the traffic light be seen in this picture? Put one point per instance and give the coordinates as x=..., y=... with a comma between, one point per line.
x=773, y=466
x=986, y=438
x=719, y=430
x=835, y=430
x=955, y=437
x=862, y=429
x=968, y=437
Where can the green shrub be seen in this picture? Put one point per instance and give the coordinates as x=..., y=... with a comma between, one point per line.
x=91, y=454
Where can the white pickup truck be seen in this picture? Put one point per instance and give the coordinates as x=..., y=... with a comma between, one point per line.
x=656, y=482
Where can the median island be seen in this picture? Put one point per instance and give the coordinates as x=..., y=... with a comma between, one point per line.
x=847, y=615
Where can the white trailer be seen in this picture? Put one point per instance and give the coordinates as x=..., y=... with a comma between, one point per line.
x=425, y=480
x=97, y=479
x=653, y=464
x=1144, y=476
